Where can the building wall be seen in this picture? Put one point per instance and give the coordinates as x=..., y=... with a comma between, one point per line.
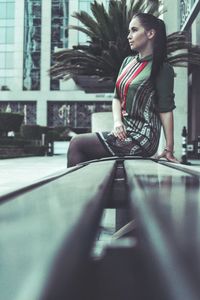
x=172, y=20
x=194, y=88
x=23, y=94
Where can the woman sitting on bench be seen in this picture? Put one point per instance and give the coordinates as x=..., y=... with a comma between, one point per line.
x=143, y=100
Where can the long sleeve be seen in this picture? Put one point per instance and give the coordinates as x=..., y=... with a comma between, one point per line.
x=165, y=89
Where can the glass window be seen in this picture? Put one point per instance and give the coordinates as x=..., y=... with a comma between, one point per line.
x=9, y=82
x=2, y=35
x=2, y=81
x=10, y=10
x=6, y=35
x=9, y=60
x=32, y=45
x=3, y=23
x=3, y=10
x=59, y=31
x=84, y=5
x=10, y=35
x=2, y=60
x=7, y=10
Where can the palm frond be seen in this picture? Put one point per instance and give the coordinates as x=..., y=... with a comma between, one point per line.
x=108, y=45
x=87, y=21
x=153, y=7
x=82, y=29
x=104, y=21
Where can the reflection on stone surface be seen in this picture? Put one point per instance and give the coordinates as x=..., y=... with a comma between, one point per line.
x=32, y=45
x=18, y=107
x=78, y=113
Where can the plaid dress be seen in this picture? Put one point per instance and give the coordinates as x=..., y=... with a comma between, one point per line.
x=141, y=103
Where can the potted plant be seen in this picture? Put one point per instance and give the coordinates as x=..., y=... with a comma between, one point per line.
x=10, y=121
x=94, y=67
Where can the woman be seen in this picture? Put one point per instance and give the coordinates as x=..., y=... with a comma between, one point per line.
x=143, y=100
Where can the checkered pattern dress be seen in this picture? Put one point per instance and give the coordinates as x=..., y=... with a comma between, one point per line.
x=141, y=103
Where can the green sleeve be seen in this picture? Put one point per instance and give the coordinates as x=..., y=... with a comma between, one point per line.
x=165, y=89
x=116, y=93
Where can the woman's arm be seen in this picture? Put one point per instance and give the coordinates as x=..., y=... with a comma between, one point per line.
x=119, y=128
x=167, y=121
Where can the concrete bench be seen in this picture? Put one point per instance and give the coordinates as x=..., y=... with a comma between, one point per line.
x=48, y=232
x=165, y=202
x=51, y=229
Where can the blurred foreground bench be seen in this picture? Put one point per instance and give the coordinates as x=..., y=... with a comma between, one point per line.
x=48, y=232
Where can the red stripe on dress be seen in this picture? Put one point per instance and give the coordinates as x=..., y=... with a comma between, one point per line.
x=123, y=75
x=130, y=65
x=130, y=80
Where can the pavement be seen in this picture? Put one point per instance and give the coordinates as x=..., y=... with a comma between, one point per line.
x=16, y=173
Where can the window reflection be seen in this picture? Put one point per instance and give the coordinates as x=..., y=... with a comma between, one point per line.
x=78, y=114
x=59, y=32
x=9, y=35
x=6, y=35
x=7, y=9
x=32, y=45
x=22, y=107
x=6, y=60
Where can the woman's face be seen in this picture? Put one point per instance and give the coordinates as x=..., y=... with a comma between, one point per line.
x=138, y=36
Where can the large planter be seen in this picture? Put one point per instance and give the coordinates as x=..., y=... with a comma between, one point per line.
x=31, y=132
x=10, y=122
x=92, y=84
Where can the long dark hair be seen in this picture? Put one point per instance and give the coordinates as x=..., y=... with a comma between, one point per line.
x=149, y=21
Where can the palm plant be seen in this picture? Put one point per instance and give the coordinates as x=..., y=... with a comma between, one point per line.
x=108, y=45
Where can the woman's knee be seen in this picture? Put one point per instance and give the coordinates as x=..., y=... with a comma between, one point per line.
x=74, y=144
x=78, y=143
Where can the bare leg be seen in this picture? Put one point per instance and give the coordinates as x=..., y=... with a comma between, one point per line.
x=85, y=147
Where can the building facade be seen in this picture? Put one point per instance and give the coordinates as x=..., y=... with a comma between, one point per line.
x=30, y=32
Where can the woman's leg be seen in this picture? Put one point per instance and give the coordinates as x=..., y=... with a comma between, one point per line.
x=85, y=147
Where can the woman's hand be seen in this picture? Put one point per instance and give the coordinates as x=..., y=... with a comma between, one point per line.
x=119, y=130
x=168, y=154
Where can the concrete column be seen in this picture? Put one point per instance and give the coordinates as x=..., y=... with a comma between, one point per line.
x=41, y=110
x=195, y=87
x=45, y=62
x=45, y=45
x=171, y=18
x=73, y=34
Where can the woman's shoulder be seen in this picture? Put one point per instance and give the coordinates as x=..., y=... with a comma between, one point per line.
x=127, y=60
